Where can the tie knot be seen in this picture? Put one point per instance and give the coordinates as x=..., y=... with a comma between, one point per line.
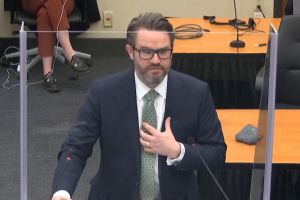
x=151, y=96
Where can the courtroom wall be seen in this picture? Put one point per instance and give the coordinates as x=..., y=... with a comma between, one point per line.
x=124, y=10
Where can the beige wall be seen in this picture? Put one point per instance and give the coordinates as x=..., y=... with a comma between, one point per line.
x=124, y=10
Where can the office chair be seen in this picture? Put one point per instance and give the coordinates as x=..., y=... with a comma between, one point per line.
x=288, y=64
x=288, y=74
x=75, y=19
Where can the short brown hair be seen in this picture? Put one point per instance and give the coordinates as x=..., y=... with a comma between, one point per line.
x=149, y=21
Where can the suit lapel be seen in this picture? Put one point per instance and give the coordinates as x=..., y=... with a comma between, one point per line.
x=175, y=97
x=126, y=103
x=174, y=101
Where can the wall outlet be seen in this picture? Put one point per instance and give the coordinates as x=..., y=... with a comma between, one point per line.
x=107, y=18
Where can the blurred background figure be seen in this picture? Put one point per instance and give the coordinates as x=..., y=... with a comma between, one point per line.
x=52, y=16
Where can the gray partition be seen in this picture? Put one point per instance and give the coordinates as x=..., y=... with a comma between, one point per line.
x=23, y=115
x=45, y=118
x=262, y=166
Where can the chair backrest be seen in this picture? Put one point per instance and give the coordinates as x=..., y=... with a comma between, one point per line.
x=288, y=75
x=18, y=15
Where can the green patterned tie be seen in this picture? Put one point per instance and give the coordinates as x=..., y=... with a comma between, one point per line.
x=147, y=159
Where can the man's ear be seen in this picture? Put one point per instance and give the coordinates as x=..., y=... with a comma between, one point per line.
x=129, y=50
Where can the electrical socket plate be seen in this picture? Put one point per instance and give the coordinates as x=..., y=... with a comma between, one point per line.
x=107, y=18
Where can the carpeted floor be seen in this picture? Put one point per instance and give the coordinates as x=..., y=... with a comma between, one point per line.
x=49, y=118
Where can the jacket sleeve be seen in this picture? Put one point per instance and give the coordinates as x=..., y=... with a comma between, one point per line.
x=78, y=146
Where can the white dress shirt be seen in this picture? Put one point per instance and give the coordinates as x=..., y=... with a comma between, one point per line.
x=159, y=104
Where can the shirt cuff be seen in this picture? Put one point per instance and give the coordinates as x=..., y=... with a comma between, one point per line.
x=179, y=158
x=62, y=193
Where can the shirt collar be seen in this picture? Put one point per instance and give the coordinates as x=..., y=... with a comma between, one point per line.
x=142, y=89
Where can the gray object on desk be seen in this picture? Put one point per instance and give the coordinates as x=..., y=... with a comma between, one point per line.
x=248, y=135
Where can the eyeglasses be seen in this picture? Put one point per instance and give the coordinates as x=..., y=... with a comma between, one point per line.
x=147, y=54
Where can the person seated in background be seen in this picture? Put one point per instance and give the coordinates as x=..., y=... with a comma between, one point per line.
x=289, y=7
x=53, y=16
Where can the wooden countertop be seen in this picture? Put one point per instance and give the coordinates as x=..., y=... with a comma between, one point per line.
x=286, y=146
x=220, y=36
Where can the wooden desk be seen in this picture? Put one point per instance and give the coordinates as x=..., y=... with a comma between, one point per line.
x=236, y=177
x=229, y=74
x=286, y=148
x=219, y=37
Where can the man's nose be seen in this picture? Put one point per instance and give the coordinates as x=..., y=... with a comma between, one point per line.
x=155, y=58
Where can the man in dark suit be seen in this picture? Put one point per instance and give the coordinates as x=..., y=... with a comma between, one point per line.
x=187, y=132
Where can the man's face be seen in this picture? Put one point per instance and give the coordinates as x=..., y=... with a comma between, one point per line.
x=151, y=71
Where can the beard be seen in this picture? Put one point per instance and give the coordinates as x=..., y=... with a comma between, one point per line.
x=152, y=75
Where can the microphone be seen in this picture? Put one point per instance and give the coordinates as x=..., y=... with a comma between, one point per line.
x=191, y=141
x=236, y=43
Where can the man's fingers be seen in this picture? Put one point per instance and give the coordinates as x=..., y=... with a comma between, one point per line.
x=146, y=146
x=60, y=198
x=143, y=142
x=149, y=129
x=145, y=136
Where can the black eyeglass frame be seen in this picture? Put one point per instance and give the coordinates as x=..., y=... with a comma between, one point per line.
x=153, y=51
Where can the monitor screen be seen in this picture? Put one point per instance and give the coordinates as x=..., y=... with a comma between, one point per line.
x=262, y=166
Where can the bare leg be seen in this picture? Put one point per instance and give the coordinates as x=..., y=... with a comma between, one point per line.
x=47, y=64
x=64, y=40
x=75, y=62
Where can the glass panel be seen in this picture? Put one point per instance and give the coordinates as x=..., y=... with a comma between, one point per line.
x=50, y=115
x=230, y=73
x=262, y=166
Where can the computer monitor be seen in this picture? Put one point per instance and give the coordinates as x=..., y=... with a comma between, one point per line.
x=262, y=166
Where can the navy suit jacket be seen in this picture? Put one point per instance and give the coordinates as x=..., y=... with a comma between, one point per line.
x=109, y=113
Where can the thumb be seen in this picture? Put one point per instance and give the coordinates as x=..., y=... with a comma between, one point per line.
x=168, y=124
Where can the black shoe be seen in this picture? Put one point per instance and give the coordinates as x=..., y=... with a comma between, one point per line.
x=78, y=65
x=50, y=83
